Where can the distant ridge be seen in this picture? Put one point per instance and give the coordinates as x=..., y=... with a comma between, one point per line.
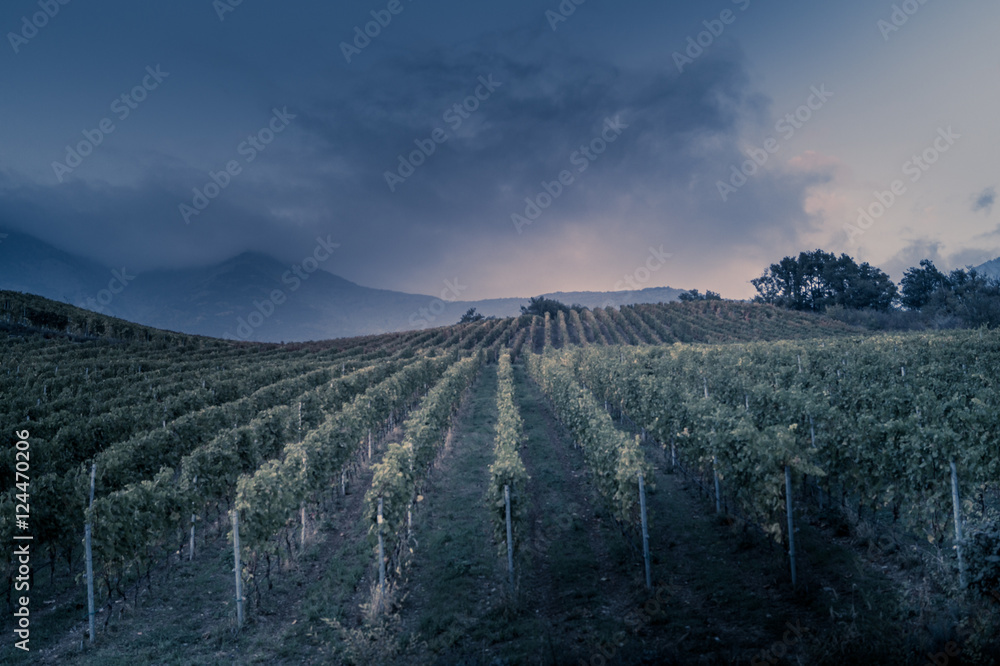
x=710, y=322
x=990, y=268
x=253, y=296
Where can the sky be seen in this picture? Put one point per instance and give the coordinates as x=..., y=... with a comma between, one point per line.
x=521, y=147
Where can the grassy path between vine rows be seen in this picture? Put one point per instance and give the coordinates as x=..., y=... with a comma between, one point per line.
x=580, y=585
x=575, y=579
x=578, y=578
x=453, y=608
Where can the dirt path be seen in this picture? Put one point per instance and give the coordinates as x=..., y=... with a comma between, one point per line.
x=578, y=577
x=453, y=611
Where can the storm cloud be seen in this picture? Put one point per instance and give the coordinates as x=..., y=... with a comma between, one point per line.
x=482, y=143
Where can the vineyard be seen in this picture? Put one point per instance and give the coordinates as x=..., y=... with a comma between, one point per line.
x=702, y=482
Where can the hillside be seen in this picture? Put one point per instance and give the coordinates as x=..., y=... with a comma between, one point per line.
x=304, y=446
x=990, y=268
x=698, y=321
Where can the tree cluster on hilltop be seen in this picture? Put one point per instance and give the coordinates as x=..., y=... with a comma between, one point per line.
x=540, y=305
x=963, y=295
x=861, y=294
x=820, y=281
x=693, y=295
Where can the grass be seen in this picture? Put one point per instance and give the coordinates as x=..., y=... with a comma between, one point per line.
x=573, y=581
x=454, y=602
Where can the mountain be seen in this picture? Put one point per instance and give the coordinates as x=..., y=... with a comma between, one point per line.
x=990, y=268
x=253, y=296
x=29, y=265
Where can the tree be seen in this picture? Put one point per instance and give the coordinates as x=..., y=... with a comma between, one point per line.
x=540, y=305
x=861, y=287
x=970, y=296
x=693, y=295
x=470, y=316
x=798, y=283
x=919, y=284
x=46, y=319
x=816, y=280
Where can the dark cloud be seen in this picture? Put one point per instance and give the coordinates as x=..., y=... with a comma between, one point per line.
x=326, y=173
x=984, y=200
x=660, y=175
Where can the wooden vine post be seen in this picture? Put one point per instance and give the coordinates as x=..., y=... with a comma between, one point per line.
x=645, y=532
x=381, y=557
x=302, y=507
x=191, y=542
x=90, y=559
x=791, y=523
x=302, y=517
x=238, y=568
x=959, y=541
x=812, y=440
x=510, y=539
x=718, y=488
x=715, y=469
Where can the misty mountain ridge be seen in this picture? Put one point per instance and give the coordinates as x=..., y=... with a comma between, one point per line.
x=253, y=296
x=990, y=268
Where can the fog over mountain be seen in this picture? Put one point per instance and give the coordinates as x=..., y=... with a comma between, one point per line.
x=256, y=297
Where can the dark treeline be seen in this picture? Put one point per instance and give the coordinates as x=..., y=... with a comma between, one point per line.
x=820, y=281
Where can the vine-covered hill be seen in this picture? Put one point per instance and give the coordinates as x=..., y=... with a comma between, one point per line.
x=334, y=457
x=698, y=321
